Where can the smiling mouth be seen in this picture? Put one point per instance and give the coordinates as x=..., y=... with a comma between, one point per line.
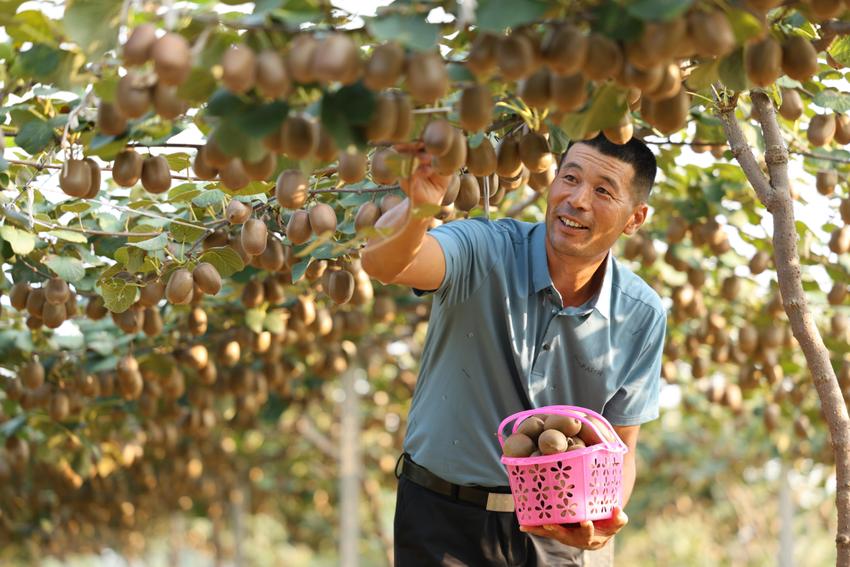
x=571, y=224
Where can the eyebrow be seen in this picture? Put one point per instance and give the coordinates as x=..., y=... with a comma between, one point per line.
x=609, y=180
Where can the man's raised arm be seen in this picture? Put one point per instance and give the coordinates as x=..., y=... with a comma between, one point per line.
x=408, y=256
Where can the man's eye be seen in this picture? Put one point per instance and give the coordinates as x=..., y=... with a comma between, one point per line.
x=570, y=178
x=603, y=190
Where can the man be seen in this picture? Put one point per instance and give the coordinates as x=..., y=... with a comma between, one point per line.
x=524, y=315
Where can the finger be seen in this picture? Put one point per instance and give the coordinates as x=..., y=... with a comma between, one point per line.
x=587, y=530
x=613, y=524
x=535, y=530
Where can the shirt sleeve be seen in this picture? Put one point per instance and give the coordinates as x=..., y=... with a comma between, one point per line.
x=470, y=248
x=636, y=401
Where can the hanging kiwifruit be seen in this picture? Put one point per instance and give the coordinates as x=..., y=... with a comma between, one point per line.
x=367, y=215
x=759, y=262
x=564, y=49
x=340, y=286
x=207, y=278
x=837, y=294
x=839, y=241
x=508, y=162
x=643, y=79
x=481, y=160
x=475, y=108
x=291, y=189
x=166, y=103
x=659, y=42
x=427, y=77
x=201, y=168
x=336, y=58
x=180, y=286
x=763, y=61
x=216, y=239
x=842, y=129
x=298, y=137
x=299, y=59
x=403, y=118
x=437, y=137
x=18, y=295
x=31, y=375
x=272, y=77
x=534, y=152
x=110, y=120
x=132, y=96
x=156, y=175
x=385, y=66
x=253, y=237
x=233, y=175
x=383, y=121
x=75, y=178
x=326, y=149
x=622, y=132
x=137, y=49
x=711, y=32
x=381, y=169
x=153, y=325
x=389, y=201
x=792, y=104
x=541, y=181
x=127, y=168
x=671, y=115
x=35, y=302
x=569, y=92
x=826, y=181
x=237, y=212
x=239, y=68
x=261, y=169
x=322, y=218
x=469, y=193
x=604, y=58
x=454, y=159
x=799, y=58
x=515, y=56
x=56, y=291
x=96, y=309
x=272, y=258
x=298, y=229
x=536, y=90
x=94, y=186
x=481, y=60
x=214, y=156
x=352, y=165
x=151, y=293
x=53, y=315
x=670, y=84
x=825, y=9
x=821, y=129
x=171, y=58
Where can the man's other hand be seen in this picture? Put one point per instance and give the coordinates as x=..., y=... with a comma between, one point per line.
x=424, y=186
x=586, y=535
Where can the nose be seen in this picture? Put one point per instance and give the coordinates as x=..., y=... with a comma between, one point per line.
x=578, y=196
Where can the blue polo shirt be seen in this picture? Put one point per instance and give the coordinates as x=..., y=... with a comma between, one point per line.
x=497, y=314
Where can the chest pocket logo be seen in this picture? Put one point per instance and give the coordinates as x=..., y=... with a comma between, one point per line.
x=587, y=367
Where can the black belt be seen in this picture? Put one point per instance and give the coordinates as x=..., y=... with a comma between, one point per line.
x=496, y=499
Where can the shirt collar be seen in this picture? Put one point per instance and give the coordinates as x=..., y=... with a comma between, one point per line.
x=541, y=279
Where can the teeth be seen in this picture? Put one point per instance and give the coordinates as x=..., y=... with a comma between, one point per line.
x=568, y=222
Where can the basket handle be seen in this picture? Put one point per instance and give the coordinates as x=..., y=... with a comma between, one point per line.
x=570, y=411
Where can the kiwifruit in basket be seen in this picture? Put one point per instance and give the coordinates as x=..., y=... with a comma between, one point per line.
x=567, y=425
x=576, y=443
x=518, y=445
x=552, y=441
x=532, y=427
x=589, y=436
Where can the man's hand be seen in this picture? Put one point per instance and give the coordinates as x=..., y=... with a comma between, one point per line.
x=588, y=535
x=424, y=186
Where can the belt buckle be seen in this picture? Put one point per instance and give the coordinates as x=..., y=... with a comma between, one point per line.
x=497, y=502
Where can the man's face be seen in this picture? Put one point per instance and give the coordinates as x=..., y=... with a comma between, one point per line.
x=594, y=191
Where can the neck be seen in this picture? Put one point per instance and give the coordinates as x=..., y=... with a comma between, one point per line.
x=575, y=278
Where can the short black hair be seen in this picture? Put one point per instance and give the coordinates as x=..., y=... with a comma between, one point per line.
x=634, y=152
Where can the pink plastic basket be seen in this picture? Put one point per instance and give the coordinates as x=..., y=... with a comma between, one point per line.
x=579, y=485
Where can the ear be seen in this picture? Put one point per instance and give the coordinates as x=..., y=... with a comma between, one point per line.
x=636, y=220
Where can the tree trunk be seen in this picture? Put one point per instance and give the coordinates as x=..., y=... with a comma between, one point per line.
x=775, y=195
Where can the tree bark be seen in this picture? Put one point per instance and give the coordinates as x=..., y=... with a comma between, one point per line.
x=774, y=192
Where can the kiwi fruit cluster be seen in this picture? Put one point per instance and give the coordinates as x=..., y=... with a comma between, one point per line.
x=48, y=306
x=551, y=434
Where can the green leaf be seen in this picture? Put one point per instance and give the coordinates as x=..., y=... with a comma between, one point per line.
x=558, y=140
x=22, y=242
x=732, y=71
x=260, y=121
x=40, y=60
x=69, y=236
x=182, y=233
x=611, y=20
x=225, y=259
x=704, y=75
x=66, y=267
x=346, y=109
x=183, y=192
x=253, y=188
x=92, y=24
x=224, y=103
x=34, y=136
x=151, y=244
x=275, y=321
x=495, y=16
x=658, y=10
x=834, y=100
x=254, y=319
x=198, y=87
x=299, y=268
x=178, y=161
x=410, y=30
x=840, y=50
x=744, y=24
x=78, y=207
x=233, y=140
x=208, y=198
x=605, y=110
x=118, y=296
